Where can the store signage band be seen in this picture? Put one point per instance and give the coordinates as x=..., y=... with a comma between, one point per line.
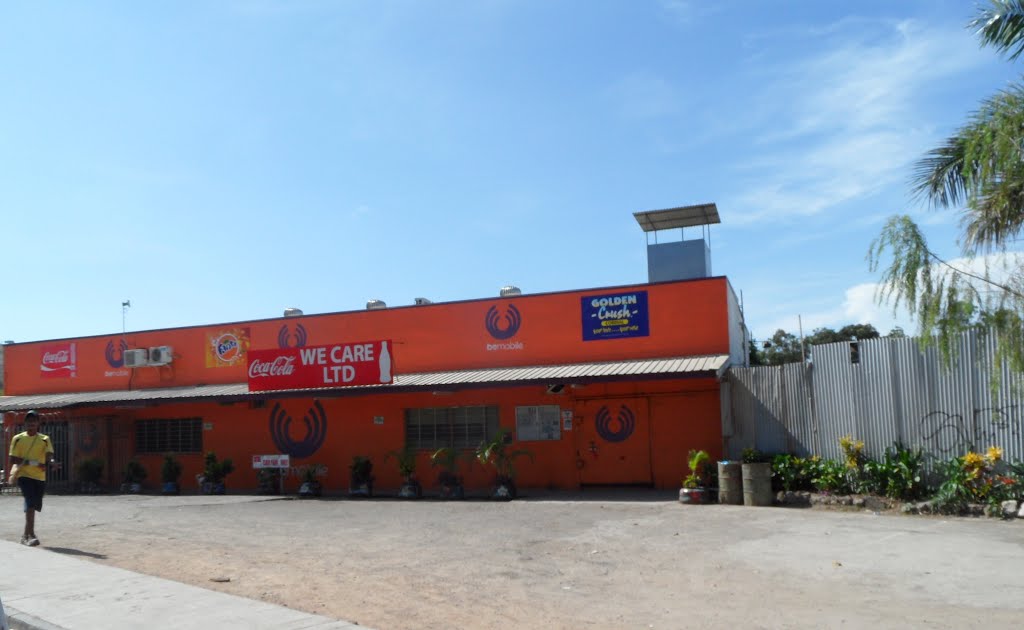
x=337, y=365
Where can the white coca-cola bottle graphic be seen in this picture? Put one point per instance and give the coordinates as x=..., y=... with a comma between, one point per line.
x=385, y=363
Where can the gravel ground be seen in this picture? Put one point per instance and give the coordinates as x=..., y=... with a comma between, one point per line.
x=628, y=559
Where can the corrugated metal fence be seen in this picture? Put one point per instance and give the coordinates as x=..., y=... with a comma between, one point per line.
x=897, y=392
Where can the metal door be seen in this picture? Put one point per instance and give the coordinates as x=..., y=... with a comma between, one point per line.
x=613, y=442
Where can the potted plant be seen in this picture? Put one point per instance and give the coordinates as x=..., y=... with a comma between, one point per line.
x=695, y=484
x=449, y=479
x=360, y=477
x=212, y=479
x=90, y=471
x=170, y=472
x=134, y=475
x=406, y=458
x=496, y=453
x=311, y=486
x=268, y=480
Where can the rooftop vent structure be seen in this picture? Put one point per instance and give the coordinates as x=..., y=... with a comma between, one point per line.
x=292, y=312
x=422, y=301
x=509, y=291
x=683, y=259
x=375, y=305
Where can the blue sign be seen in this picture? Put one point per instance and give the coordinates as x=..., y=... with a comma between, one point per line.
x=615, y=315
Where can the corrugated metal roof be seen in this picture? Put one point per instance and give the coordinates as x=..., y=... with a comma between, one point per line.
x=708, y=365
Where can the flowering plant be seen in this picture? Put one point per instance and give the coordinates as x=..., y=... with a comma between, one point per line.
x=978, y=478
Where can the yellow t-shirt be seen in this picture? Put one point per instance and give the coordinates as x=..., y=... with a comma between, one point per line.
x=31, y=448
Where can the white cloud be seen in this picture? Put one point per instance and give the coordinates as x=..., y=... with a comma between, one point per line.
x=844, y=123
x=860, y=306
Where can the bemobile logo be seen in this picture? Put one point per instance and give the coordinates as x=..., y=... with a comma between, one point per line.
x=115, y=354
x=316, y=430
x=626, y=422
x=284, y=337
x=512, y=321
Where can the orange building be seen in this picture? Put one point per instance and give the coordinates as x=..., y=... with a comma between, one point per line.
x=610, y=385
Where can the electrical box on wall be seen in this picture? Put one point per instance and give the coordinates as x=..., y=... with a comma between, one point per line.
x=136, y=358
x=160, y=355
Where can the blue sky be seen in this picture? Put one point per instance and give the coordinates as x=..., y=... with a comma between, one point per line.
x=220, y=161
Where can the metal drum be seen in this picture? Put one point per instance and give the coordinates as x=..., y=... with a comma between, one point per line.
x=730, y=484
x=757, y=484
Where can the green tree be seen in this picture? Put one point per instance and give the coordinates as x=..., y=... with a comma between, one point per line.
x=979, y=169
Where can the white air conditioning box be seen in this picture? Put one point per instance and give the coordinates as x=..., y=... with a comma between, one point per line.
x=136, y=358
x=160, y=355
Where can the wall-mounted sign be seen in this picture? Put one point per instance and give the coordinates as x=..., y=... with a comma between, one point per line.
x=227, y=347
x=615, y=315
x=271, y=461
x=58, y=360
x=339, y=365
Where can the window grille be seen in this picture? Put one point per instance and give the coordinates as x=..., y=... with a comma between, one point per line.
x=456, y=427
x=179, y=435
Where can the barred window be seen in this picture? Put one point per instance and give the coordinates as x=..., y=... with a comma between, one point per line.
x=457, y=427
x=180, y=435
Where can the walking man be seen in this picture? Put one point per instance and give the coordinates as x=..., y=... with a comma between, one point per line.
x=31, y=453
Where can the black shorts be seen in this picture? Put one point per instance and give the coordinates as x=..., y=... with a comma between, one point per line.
x=32, y=490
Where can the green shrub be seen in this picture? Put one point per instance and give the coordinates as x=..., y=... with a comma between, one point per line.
x=792, y=473
x=897, y=476
x=831, y=476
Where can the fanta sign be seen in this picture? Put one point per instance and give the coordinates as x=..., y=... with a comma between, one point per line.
x=227, y=347
x=340, y=365
x=58, y=360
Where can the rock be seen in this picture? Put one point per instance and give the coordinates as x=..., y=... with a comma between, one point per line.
x=858, y=502
x=847, y=500
x=909, y=508
x=1021, y=513
x=877, y=504
x=794, y=498
x=1009, y=508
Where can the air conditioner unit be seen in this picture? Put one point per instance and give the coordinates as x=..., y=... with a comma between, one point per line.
x=136, y=358
x=160, y=355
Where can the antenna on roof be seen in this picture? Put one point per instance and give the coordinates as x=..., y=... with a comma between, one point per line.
x=127, y=304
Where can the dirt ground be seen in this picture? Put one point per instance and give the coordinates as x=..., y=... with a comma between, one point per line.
x=629, y=559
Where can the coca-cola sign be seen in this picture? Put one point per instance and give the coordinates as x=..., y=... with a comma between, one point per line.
x=58, y=360
x=338, y=365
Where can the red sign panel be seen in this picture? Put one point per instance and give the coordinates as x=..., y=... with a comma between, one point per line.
x=338, y=365
x=58, y=360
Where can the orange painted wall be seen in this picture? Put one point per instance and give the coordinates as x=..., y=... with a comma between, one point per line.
x=682, y=414
x=686, y=318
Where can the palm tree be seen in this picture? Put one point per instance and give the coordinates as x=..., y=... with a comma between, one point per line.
x=982, y=167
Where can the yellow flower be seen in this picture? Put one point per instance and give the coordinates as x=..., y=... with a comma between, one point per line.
x=994, y=454
x=973, y=460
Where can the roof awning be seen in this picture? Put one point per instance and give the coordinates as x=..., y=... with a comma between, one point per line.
x=686, y=216
x=708, y=366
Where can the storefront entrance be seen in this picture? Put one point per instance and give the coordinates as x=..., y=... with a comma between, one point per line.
x=613, y=445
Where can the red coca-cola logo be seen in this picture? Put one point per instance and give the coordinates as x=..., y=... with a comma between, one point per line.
x=280, y=366
x=60, y=357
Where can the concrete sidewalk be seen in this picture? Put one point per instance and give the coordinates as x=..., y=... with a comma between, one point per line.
x=51, y=590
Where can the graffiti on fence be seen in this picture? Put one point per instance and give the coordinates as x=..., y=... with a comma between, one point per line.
x=943, y=433
x=948, y=434
x=996, y=424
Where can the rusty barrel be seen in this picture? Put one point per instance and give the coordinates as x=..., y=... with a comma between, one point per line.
x=757, y=484
x=730, y=484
